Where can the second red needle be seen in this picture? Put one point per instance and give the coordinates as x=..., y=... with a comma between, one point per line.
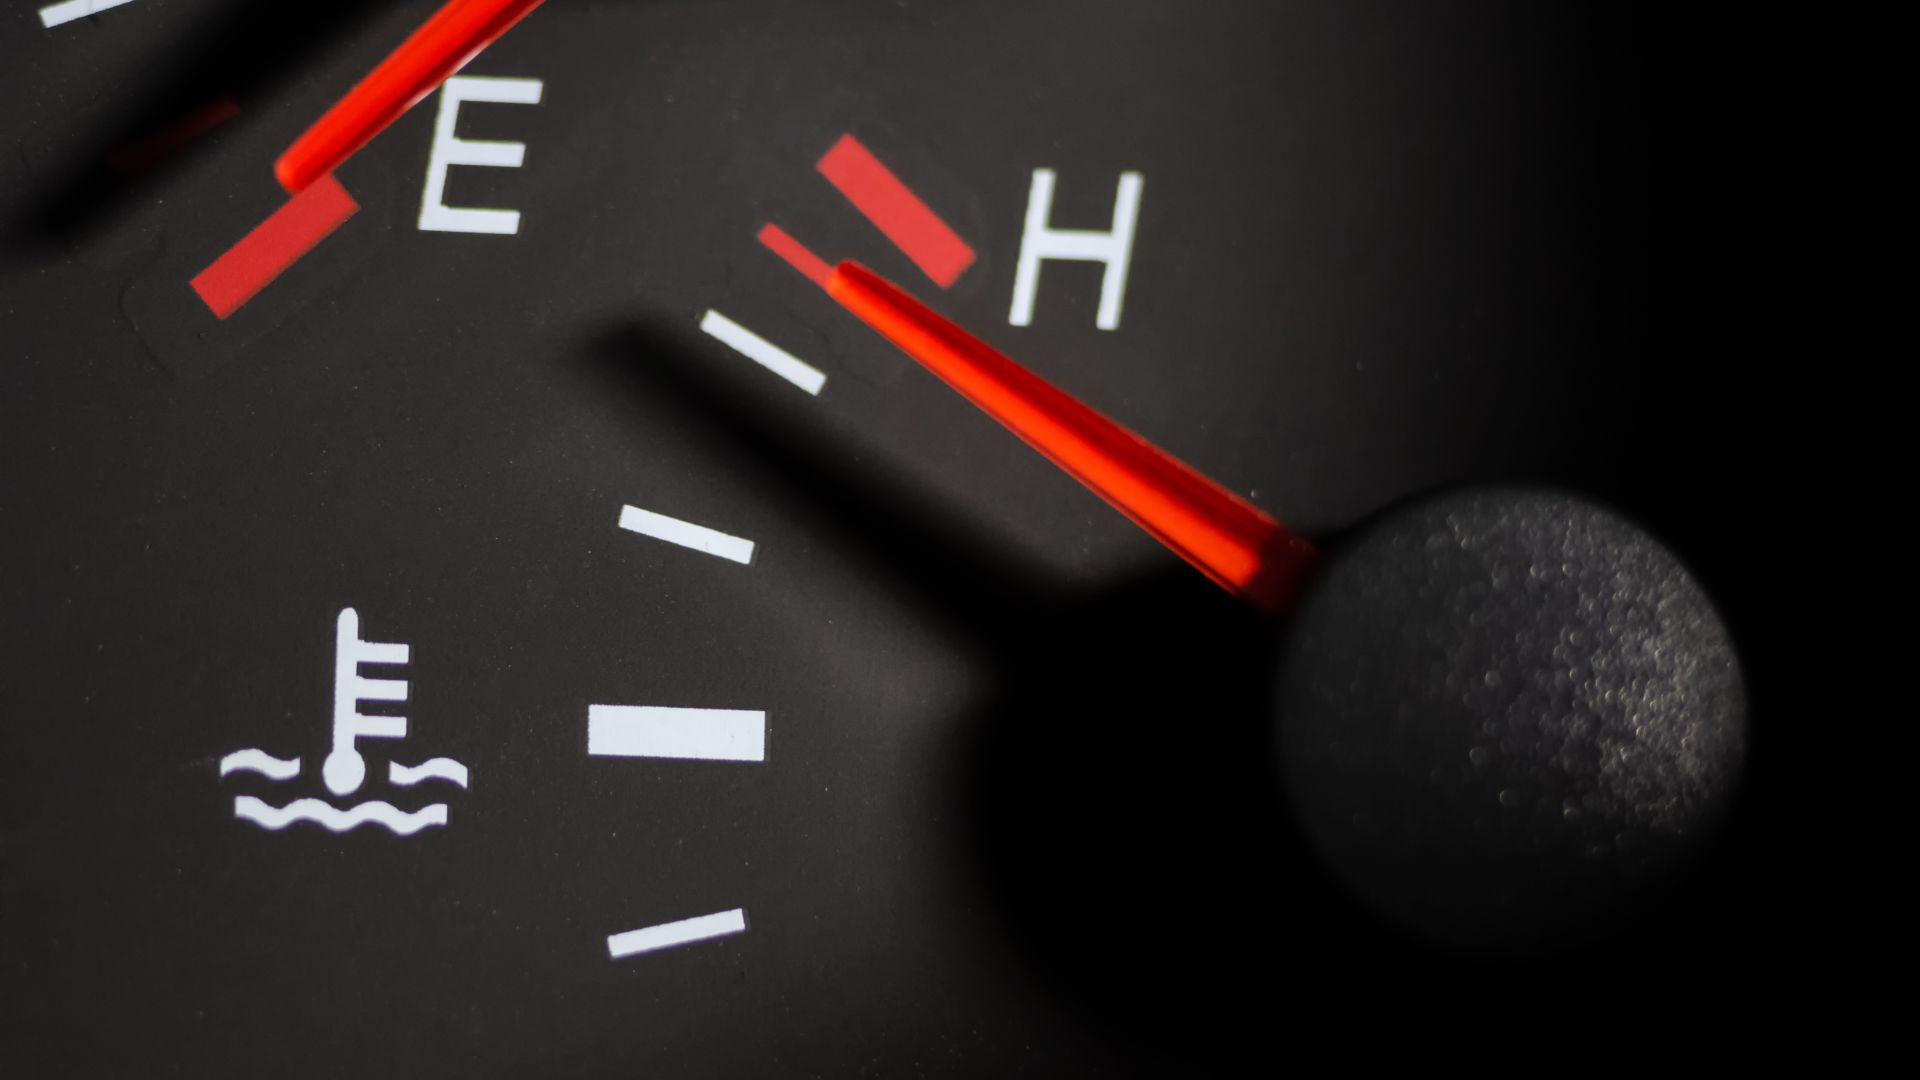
x=442, y=45
x=1224, y=536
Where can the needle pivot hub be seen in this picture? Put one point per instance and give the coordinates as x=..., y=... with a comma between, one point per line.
x=1508, y=717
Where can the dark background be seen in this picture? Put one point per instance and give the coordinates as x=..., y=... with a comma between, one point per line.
x=1015, y=815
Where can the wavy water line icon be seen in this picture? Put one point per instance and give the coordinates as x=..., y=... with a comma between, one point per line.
x=252, y=760
x=397, y=821
x=439, y=768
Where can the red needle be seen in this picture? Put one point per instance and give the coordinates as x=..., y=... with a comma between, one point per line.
x=1227, y=538
x=441, y=46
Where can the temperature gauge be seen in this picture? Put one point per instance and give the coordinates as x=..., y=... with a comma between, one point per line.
x=1070, y=538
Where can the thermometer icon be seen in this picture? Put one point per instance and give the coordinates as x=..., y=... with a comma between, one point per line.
x=345, y=769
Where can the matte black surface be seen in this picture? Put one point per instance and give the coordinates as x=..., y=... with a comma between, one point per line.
x=1002, y=828
x=1508, y=718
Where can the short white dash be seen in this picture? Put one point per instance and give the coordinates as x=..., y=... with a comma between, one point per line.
x=649, y=731
x=68, y=10
x=686, y=534
x=667, y=935
x=764, y=352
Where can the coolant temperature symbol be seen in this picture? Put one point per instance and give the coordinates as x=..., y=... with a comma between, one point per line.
x=345, y=769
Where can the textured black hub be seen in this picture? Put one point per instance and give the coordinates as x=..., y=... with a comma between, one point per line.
x=1508, y=716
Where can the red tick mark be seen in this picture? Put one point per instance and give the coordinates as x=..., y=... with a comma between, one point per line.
x=273, y=245
x=873, y=190
x=812, y=266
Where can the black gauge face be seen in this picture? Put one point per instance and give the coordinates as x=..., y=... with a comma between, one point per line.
x=493, y=614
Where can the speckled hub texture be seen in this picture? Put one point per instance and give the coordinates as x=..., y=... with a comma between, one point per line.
x=1508, y=718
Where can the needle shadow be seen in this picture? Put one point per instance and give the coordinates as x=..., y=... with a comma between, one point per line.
x=211, y=75
x=1116, y=800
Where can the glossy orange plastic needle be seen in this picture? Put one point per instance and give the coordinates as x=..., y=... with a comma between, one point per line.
x=441, y=46
x=1224, y=536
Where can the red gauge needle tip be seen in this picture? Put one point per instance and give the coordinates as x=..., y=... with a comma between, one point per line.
x=1227, y=538
x=439, y=48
